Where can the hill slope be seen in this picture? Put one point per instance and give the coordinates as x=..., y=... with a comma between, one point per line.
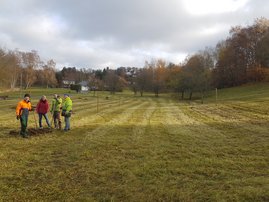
x=143, y=149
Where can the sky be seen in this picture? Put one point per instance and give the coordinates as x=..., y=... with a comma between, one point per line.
x=113, y=33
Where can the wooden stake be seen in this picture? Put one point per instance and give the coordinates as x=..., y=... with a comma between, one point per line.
x=97, y=103
x=21, y=86
x=216, y=95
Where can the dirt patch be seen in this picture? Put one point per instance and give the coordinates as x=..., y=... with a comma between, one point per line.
x=3, y=97
x=32, y=131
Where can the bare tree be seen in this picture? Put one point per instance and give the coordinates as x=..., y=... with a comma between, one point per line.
x=30, y=62
x=143, y=80
x=176, y=80
x=196, y=74
x=159, y=76
x=9, y=68
x=114, y=82
x=49, y=73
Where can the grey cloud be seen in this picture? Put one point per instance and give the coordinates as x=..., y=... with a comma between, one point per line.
x=96, y=33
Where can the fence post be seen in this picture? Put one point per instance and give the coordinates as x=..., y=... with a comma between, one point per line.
x=97, y=102
x=216, y=95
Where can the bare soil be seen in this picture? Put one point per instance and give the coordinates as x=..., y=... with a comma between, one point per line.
x=32, y=131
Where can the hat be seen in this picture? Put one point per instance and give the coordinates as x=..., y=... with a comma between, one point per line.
x=27, y=95
x=66, y=95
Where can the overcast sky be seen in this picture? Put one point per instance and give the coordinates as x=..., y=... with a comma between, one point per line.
x=114, y=33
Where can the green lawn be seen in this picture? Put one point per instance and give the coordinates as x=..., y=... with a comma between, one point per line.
x=142, y=149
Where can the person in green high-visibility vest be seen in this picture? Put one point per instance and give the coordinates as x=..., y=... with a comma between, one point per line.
x=67, y=111
x=56, y=111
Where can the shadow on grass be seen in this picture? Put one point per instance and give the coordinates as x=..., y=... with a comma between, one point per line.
x=31, y=131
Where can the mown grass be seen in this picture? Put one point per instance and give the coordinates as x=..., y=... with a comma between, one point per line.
x=142, y=149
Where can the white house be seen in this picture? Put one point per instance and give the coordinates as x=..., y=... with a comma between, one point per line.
x=68, y=83
x=84, y=86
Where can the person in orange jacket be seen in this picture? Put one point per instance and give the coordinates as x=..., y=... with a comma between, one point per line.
x=22, y=113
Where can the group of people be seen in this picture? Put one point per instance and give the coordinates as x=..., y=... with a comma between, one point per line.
x=58, y=108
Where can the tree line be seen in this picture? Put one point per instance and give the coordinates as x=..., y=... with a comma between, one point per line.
x=18, y=68
x=241, y=58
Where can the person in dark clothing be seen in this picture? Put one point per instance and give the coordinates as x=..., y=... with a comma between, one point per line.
x=42, y=109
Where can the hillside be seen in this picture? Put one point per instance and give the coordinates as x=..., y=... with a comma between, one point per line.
x=142, y=149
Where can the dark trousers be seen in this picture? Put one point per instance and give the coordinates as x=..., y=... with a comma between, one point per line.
x=67, y=122
x=24, y=121
x=40, y=119
x=57, y=120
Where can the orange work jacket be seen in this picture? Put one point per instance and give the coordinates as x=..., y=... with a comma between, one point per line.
x=23, y=106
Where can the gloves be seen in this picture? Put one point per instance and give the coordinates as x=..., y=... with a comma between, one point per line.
x=18, y=117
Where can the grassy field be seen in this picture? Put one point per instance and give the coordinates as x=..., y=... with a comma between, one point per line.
x=142, y=149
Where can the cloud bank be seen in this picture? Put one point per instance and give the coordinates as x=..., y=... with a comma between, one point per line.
x=101, y=33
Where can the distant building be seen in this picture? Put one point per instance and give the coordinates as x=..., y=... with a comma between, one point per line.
x=67, y=83
x=84, y=86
